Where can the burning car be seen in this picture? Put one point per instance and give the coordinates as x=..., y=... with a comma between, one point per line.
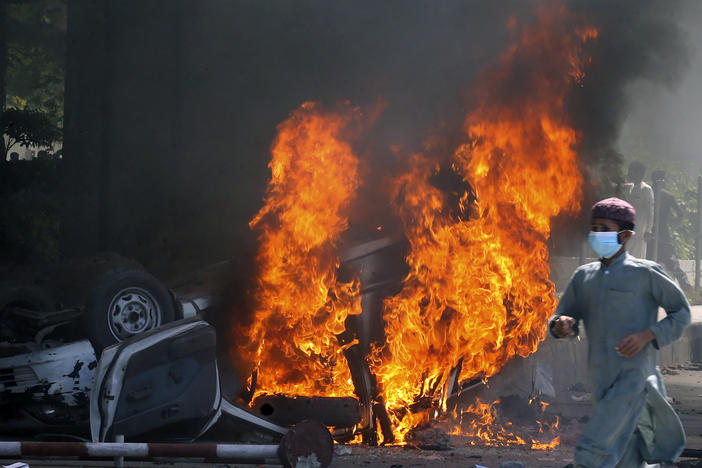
x=400, y=324
x=475, y=289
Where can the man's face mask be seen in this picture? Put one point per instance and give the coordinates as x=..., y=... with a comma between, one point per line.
x=605, y=244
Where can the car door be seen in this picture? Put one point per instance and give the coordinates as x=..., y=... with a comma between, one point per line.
x=162, y=385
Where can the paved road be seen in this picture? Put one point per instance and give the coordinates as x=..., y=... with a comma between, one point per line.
x=684, y=386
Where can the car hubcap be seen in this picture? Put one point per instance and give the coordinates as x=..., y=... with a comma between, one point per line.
x=133, y=311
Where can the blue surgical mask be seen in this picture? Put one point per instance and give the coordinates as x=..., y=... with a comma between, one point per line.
x=606, y=244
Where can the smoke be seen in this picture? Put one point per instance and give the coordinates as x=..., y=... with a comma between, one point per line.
x=664, y=122
x=193, y=145
x=638, y=40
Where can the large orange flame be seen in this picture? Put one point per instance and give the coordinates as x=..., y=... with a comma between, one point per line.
x=300, y=306
x=483, y=429
x=478, y=290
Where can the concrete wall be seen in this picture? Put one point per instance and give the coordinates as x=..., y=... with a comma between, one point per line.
x=566, y=362
x=562, y=269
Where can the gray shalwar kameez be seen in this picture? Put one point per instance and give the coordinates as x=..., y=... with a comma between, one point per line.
x=632, y=420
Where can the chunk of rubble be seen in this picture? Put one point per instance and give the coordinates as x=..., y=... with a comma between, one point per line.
x=429, y=438
x=513, y=464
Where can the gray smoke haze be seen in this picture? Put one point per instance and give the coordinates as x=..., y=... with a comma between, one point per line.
x=192, y=95
x=639, y=40
x=664, y=122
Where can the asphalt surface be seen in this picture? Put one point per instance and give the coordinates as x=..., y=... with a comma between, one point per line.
x=684, y=388
x=684, y=384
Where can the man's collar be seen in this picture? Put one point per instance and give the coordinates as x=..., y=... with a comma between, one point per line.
x=616, y=260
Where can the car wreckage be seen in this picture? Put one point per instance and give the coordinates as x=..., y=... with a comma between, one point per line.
x=134, y=358
x=138, y=361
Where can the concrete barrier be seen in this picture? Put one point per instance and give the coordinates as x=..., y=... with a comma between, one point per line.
x=565, y=361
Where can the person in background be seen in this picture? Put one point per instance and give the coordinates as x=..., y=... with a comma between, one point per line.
x=669, y=213
x=617, y=299
x=640, y=195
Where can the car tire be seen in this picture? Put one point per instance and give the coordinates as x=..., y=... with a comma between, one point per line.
x=126, y=303
x=28, y=296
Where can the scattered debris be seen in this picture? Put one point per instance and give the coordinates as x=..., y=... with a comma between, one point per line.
x=307, y=461
x=429, y=438
x=513, y=464
x=342, y=450
x=518, y=409
x=578, y=387
x=690, y=464
x=581, y=396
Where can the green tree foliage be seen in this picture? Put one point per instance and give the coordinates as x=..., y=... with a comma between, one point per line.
x=35, y=43
x=28, y=127
x=684, y=186
x=36, y=49
x=681, y=181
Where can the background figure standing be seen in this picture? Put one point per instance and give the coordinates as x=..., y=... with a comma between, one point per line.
x=668, y=211
x=640, y=195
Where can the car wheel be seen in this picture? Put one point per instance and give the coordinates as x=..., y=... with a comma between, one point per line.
x=124, y=304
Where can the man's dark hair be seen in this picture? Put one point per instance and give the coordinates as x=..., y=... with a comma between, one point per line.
x=658, y=175
x=637, y=169
x=624, y=226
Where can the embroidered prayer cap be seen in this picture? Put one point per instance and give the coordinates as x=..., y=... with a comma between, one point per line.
x=615, y=209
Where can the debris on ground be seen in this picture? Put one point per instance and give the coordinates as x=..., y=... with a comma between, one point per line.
x=690, y=464
x=342, y=450
x=513, y=464
x=429, y=438
x=581, y=396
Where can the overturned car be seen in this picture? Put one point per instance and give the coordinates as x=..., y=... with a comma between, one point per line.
x=156, y=379
x=133, y=358
x=56, y=324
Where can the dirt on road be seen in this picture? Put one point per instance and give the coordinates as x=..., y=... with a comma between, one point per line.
x=684, y=384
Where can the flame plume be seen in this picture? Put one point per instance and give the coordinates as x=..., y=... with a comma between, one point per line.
x=300, y=306
x=478, y=290
x=482, y=427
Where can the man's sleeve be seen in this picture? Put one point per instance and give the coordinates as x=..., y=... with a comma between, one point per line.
x=671, y=298
x=568, y=305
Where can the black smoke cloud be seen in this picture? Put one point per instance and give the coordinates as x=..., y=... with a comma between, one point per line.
x=637, y=40
x=192, y=95
x=427, y=100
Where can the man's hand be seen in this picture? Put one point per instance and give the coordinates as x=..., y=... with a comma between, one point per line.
x=563, y=326
x=630, y=345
